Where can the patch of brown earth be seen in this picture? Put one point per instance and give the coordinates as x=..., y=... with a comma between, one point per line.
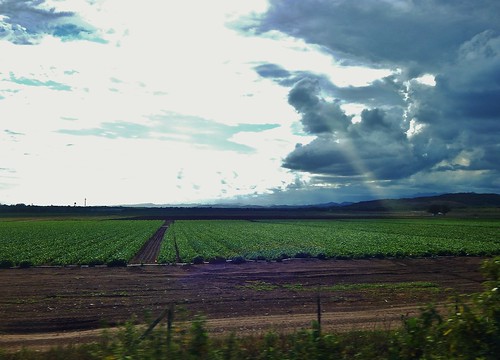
x=148, y=254
x=42, y=307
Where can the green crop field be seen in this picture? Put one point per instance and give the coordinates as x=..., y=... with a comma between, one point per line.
x=68, y=242
x=72, y=241
x=210, y=239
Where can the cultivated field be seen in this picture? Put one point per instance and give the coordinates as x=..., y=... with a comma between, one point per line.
x=116, y=242
x=42, y=307
x=340, y=239
x=72, y=242
x=367, y=272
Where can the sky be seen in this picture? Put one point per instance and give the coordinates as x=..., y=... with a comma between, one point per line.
x=113, y=102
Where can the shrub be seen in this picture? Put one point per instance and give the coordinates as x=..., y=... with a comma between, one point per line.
x=198, y=260
x=25, y=264
x=282, y=257
x=95, y=262
x=470, y=330
x=117, y=263
x=217, y=260
x=5, y=264
x=322, y=256
x=302, y=255
x=238, y=260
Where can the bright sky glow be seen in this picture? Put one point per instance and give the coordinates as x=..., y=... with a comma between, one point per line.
x=174, y=102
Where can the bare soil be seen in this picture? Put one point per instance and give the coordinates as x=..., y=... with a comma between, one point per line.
x=148, y=254
x=42, y=307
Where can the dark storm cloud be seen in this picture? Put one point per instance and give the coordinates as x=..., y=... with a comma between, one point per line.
x=27, y=21
x=423, y=33
x=318, y=116
x=375, y=148
x=384, y=92
x=410, y=133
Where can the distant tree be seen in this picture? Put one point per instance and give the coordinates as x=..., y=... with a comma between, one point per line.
x=445, y=209
x=436, y=209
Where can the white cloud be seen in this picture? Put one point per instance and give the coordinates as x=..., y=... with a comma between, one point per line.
x=426, y=79
x=59, y=97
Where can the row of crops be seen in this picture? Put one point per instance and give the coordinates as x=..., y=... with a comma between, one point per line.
x=212, y=240
x=91, y=242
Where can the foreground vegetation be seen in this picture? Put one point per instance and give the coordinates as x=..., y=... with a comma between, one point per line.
x=469, y=329
x=212, y=240
x=72, y=242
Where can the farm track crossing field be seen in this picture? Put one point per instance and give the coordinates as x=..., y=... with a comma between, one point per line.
x=341, y=239
x=92, y=242
x=72, y=242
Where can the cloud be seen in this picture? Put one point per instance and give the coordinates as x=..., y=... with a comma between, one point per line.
x=35, y=82
x=393, y=94
x=272, y=71
x=383, y=92
x=318, y=116
x=424, y=34
x=436, y=115
x=176, y=127
x=26, y=22
x=377, y=147
x=380, y=147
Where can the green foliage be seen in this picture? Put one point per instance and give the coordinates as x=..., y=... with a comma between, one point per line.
x=6, y=263
x=198, y=260
x=258, y=285
x=337, y=239
x=471, y=329
x=116, y=263
x=73, y=242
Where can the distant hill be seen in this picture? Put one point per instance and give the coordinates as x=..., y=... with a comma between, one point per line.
x=453, y=201
x=443, y=203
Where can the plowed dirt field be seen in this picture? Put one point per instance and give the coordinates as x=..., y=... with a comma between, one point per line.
x=41, y=307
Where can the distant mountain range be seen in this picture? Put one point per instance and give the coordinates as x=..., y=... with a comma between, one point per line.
x=453, y=201
x=436, y=204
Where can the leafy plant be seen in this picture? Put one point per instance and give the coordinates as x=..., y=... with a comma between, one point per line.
x=337, y=239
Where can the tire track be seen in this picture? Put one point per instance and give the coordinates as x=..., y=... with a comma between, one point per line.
x=150, y=251
x=387, y=318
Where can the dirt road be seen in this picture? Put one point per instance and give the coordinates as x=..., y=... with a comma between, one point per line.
x=148, y=254
x=41, y=307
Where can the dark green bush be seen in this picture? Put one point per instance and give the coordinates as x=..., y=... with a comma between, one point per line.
x=217, y=260
x=238, y=260
x=95, y=262
x=322, y=256
x=198, y=260
x=117, y=263
x=303, y=255
x=25, y=264
x=5, y=264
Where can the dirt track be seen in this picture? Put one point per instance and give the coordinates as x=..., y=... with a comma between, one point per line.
x=48, y=306
x=148, y=254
